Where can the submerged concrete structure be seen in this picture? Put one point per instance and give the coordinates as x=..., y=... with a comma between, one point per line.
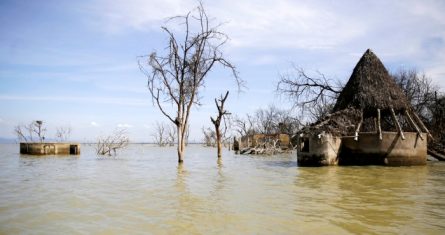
x=50, y=148
x=318, y=150
x=372, y=123
x=391, y=150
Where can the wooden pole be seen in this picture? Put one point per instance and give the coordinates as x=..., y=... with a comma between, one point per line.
x=413, y=124
x=399, y=128
x=422, y=125
x=375, y=123
x=379, y=126
x=358, y=127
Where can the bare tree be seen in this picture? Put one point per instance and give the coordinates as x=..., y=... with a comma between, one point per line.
x=287, y=122
x=419, y=89
x=320, y=110
x=107, y=145
x=312, y=94
x=63, y=133
x=39, y=130
x=176, y=77
x=26, y=132
x=159, y=135
x=209, y=137
x=270, y=120
x=438, y=120
x=217, y=121
x=30, y=129
x=265, y=120
x=171, y=135
x=244, y=126
x=21, y=136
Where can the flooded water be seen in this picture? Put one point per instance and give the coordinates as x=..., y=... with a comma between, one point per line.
x=143, y=190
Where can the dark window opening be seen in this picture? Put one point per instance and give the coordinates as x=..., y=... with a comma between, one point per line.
x=304, y=145
x=73, y=149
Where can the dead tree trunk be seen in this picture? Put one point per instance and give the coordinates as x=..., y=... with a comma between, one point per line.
x=176, y=76
x=217, y=122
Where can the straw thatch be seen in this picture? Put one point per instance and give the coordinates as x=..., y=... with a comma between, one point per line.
x=370, y=87
x=339, y=123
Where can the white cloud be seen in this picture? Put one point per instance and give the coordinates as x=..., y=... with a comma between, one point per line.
x=325, y=35
x=94, y=124
x=308, y=25
x=115, y=16
x=251, y=23
x=124, y=125
x=286, y=24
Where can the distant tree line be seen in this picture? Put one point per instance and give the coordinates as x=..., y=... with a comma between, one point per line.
x=270, y=120
x=165, y=134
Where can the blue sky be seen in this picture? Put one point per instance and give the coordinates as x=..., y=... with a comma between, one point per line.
x=74, y=63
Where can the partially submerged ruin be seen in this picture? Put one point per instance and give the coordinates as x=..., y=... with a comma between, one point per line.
x=372, y=123
x=46, y=148
x=263, y=144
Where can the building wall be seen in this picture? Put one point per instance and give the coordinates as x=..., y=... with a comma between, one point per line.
x=318, y=150
x=49, y=148
x=368, y=149
x=391, y=150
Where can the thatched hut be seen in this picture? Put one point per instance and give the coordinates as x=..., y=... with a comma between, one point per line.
x=372, y=123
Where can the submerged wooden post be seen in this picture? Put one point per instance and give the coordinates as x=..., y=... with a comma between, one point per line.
x=422, y=125
x=399, y=128
x=379, y=126
x=358, y=127
x=413, y=124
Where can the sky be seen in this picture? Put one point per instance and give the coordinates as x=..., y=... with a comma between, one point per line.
x=74, y=63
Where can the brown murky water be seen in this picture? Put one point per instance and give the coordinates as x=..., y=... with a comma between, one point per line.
x=144, y=191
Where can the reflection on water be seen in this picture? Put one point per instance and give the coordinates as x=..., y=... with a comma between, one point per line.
x=144, y=190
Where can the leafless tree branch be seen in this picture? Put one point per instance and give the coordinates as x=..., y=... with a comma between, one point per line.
x=217, y=121
x=108, y=145
x=308, y=91
x=176, y=77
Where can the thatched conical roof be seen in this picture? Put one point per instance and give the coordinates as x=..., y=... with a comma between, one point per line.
x=370, y=87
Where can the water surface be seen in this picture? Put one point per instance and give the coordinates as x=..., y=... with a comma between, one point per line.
x=143, y=190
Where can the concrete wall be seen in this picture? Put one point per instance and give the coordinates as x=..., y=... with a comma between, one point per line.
x=326, y=149
x=50, y=148
x=322, y=150
x=391, y=150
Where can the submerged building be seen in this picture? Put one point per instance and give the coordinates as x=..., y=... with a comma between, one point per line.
x=46, y=148
x=372, y=123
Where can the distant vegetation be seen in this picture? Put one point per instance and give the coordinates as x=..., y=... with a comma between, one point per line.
x=270, y=120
